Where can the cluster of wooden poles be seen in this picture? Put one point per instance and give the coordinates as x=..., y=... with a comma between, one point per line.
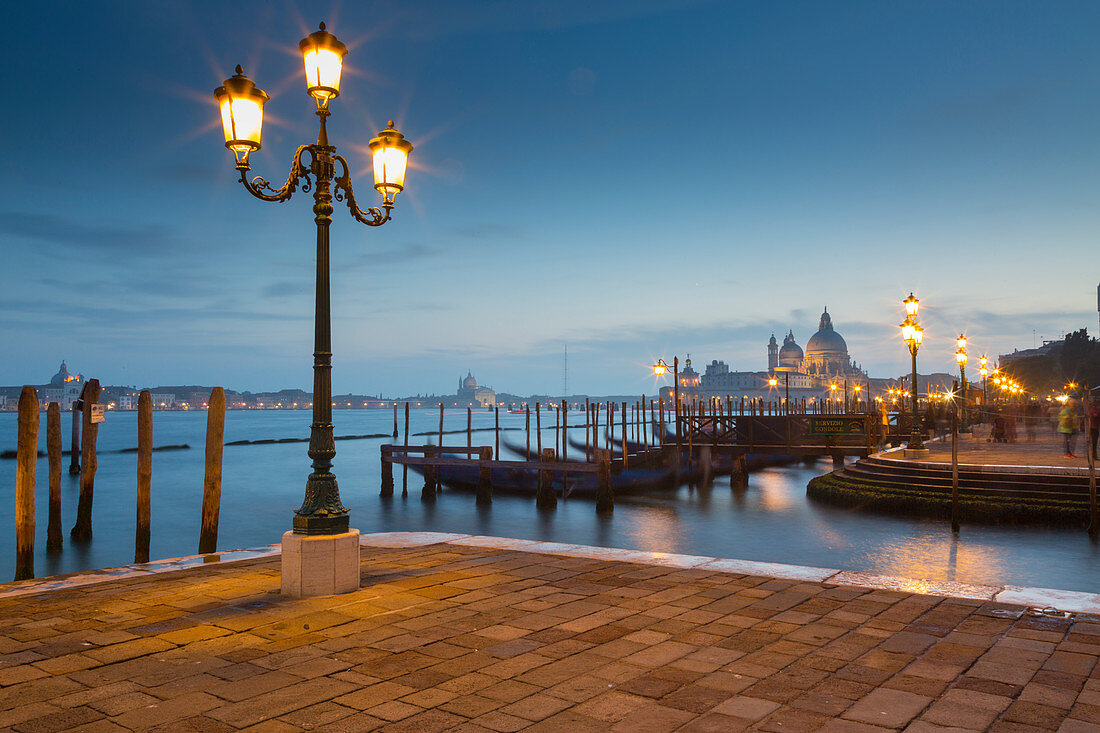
x=85, y=433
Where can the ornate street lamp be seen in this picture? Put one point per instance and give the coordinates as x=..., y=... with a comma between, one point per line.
x=242, y=105
x=961, y=358
x=660, y=369
x=913, y=334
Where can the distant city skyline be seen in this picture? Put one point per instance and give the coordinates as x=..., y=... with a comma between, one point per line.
x=637, y=180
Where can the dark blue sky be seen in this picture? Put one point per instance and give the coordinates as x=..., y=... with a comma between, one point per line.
x=633, y=179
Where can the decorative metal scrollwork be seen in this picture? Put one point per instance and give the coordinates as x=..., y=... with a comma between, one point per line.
x=259, y=184
x=372, y=217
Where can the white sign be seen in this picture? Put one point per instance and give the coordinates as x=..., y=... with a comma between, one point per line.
x=98, y=412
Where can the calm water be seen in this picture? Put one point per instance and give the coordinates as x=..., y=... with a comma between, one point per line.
x=261, y=486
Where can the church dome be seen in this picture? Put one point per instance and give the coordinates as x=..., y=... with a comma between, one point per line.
x=64, y=376
x=790, y=350
x=469, y=382
x=826, y=341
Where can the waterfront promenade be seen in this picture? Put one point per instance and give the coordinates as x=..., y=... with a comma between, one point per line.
x=476, y=633
x=1046, y=451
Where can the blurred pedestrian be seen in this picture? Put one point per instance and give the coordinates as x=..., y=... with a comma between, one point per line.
x=1067, y=425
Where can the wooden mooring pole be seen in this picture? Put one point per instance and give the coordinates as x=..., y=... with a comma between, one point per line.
x=469, y=428
x=485, y=477
x=82, y=530
x=387, y=471
x=53, y=450
x=212, y=479
x=438, y=480
x=588, y=456
x=26, y=454
x=564, y=428
x=527, y=429
x=605, y=497
x=144, y=475
x=544, y=496
x=427, y=493
x=624, y=439
x=74, y=448
x=496, y=430
x=395, y=433
x=405, y=466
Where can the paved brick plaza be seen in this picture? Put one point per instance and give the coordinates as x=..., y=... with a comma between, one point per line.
x=449, y=637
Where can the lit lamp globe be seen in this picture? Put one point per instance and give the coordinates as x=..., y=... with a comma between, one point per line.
x=391, y=158
x=323, y=56
x=242, y=108
x=907, y=330
x=918, y=335
x=961, y=341
x=772, y=381
x=960, y=356
x=912, y=304
x=660, y=368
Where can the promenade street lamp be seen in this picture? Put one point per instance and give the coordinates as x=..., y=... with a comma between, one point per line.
x=660, y=369
x=242, y=105
x=913, y=334
x=961, y=358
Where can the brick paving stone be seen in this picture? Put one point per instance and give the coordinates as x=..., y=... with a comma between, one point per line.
x=887, y=708
x=448, y=637
x=746, y=708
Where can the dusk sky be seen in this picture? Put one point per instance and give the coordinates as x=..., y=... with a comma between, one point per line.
x=632, y=179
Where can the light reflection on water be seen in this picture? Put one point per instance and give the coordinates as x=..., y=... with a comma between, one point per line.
x=771, y=520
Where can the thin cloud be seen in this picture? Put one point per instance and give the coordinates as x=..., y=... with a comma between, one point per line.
x=70, y=234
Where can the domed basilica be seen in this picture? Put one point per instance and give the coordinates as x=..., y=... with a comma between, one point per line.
x=804, y=374
x=826, y=356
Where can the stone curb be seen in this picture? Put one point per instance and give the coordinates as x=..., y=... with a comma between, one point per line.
x=1064, y=600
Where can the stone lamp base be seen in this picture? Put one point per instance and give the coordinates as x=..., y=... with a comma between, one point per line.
x=320, y=565
x=916, y=452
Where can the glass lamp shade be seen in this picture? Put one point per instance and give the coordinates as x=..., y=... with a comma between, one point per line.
x=961, y=341
x=323, y=55
x=659, y=369
x=984, y=372
x=907, y=331
x=772, y=382
x=391, y=158
x=918, y=335
x=242, y=109
x=911, y=306
x=984, y=360
x=960, y=356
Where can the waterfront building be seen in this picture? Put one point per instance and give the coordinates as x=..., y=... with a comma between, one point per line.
x=471, y=395
x=808, y=374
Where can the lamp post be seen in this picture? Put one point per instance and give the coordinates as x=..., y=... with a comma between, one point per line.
x=983, y=372
x=242, y=104
x=913, y=334
x=659, y=369
x=961, y=358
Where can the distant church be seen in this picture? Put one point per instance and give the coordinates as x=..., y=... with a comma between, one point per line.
x=471, y=395
x=810, y=374
x=64, y=388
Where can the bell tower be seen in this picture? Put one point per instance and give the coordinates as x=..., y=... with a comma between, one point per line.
x=773, y=354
